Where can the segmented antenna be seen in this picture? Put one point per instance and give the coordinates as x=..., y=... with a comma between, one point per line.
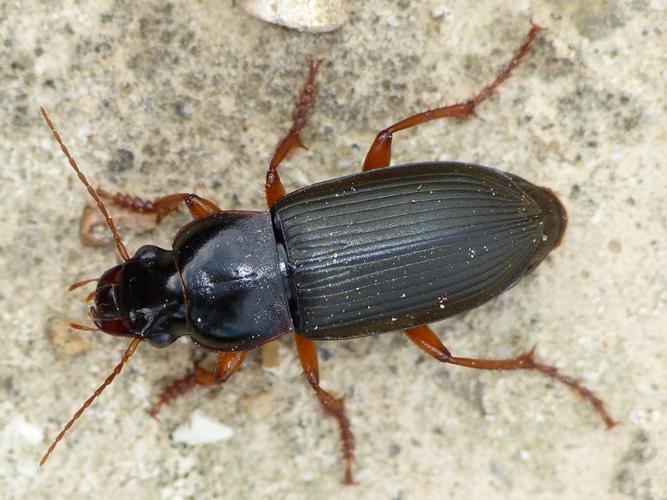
x=128, y=352
x=100, y=205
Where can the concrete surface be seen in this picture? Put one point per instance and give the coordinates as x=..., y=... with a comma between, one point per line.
x=157, y=98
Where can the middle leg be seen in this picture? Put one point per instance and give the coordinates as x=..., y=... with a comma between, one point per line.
x=274, y=186
x=333, y=406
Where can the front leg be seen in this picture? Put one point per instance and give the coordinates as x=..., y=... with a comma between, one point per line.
x=143, y=214
x=226, y=365
x=196, y=205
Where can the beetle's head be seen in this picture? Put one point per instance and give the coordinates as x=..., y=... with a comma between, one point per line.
x=142, y=298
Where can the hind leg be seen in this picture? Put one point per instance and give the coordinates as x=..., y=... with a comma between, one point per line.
x=379, y=154
x=428, y=342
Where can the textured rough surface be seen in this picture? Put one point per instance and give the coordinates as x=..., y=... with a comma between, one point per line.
x=157, y=98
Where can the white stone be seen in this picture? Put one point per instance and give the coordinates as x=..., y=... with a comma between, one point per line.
x=25, y=430
x=302, y=15
x=201, y=430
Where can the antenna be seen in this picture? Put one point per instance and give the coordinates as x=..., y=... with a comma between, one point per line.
x=100, y=205
x=128, y=352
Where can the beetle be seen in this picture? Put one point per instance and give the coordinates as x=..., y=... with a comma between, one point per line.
x=383, y=250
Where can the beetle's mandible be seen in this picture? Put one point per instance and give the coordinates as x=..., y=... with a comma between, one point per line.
x=383, y=250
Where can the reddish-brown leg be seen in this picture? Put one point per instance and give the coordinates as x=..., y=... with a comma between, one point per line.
x=227, y=363
x=428, y=342
x=198, y=207
x=274, y=186
x=379, y=154
x=333, y=406
x=144, y=210
x=139, y=213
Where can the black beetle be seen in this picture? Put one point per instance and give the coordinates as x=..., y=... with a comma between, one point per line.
x=382, y=250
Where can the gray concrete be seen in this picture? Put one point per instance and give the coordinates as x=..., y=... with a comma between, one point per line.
x=154, y=99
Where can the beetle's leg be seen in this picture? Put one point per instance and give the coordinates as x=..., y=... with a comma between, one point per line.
x=333, y=406
x=226, y=364
x=428, y=342
x=198, y=206
x=379, y=154
x=274, y=187
x=144, y=210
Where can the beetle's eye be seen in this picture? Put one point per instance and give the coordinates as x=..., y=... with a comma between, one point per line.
x=146, y=252
x=161, y=339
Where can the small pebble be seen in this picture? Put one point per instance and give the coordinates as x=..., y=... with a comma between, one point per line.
x=302, y=15
x=26, y=431
x=201, y=430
